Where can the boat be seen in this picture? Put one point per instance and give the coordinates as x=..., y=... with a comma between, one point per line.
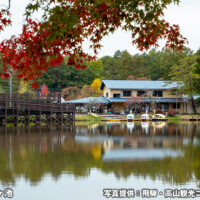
x=159, y=117
x=130, y=117
x=145, y=117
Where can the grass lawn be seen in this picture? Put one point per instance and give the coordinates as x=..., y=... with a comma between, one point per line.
x=176, y=117
x=87, y=118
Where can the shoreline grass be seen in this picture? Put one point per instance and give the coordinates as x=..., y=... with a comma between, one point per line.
x=87, y=117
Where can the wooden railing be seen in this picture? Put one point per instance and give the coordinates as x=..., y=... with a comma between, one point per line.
x=33, y=102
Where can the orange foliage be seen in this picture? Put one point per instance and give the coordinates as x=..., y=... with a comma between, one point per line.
x=143, y=78
x=71, y=93
x=130, y=77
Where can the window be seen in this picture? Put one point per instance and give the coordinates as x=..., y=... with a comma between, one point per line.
x=126, y=93
x=106, y=94
x=178, y=105
x=116, y=95
x=164, y=107
x=157, y=93
x=141, y=93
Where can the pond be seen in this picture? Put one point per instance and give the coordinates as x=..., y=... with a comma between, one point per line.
x=100, y=161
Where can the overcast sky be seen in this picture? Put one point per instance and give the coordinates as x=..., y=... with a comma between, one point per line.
x=187, y=15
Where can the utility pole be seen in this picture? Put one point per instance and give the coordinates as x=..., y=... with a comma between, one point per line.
x=10, y=73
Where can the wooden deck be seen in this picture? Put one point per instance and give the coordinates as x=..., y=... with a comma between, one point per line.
x=27, y=107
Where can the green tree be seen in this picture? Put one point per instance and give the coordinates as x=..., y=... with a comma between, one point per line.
x=152, y=65
x=122, y=65
x=131, y=65
x=110, y=68
x=197, y=71
x=158, y=63
x=185, y=73
x=64, y=76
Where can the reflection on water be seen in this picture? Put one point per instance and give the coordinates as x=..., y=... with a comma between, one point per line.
x=160, y=151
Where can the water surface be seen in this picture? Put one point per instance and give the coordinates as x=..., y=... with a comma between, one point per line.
x=77, y=163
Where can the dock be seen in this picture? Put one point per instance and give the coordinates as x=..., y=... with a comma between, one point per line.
x=33, y=108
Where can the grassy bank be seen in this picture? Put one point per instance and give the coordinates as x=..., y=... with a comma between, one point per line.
x=137, y=117
x=176, y=117
x=87, y=118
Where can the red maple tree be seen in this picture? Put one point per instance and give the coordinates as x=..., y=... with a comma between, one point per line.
x=67, y=23
x=44, y=90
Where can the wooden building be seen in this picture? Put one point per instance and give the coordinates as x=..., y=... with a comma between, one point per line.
x=139, y=95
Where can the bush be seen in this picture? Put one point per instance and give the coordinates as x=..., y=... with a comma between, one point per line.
x=159, y=111
x=171, y=112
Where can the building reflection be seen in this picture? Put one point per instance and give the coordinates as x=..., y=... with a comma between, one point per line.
x=129, y=148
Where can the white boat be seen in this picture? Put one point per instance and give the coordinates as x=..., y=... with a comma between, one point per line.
x=130, y=117
x=159, y=117
x=145, y=117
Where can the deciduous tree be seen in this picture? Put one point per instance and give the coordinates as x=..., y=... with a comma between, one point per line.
x=185, y=73
x=66, y=24
x=71, y=93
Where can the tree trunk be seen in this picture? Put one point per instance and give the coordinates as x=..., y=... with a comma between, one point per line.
x=193, y=105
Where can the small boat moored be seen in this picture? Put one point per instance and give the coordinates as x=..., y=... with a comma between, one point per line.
x=130, y=117
x=145, y=117
x=159, y=117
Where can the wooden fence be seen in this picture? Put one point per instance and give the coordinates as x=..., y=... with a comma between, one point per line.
x=34, y=108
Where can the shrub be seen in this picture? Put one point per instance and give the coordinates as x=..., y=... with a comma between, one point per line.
x=159, y=111
x=171, y=112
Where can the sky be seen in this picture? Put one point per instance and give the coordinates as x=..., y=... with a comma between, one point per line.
x=186, y=15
